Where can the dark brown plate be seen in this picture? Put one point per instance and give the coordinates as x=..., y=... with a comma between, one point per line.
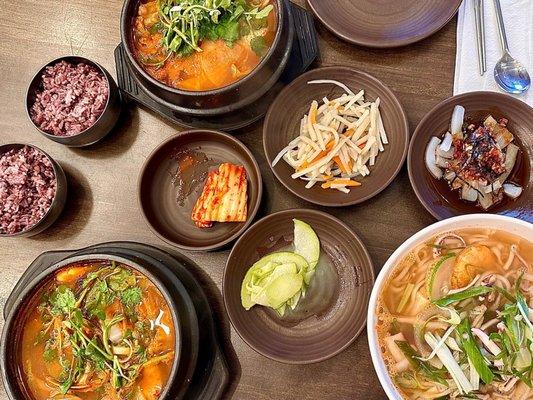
x=158, y=192
x=333, y=312
x=282, y=124
x=435, y=195
x=382, y=24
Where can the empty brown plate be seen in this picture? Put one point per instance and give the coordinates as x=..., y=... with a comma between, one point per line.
x=333, y=312
x=282, y=125
x=159, y=188
x=384, y=23
x=435, y=195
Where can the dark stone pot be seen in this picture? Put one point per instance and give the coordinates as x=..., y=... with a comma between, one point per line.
x=14, y=318
x=226, y=99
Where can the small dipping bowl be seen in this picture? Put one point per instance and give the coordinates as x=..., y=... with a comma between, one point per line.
x=435, y=195
x=58, y=203
x=105, y=122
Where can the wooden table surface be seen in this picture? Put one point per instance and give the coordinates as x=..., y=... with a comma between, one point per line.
x=102, y=204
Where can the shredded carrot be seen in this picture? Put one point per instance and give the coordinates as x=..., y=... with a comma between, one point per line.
x=344, y=168
x=345, y=182
x=320, y=156
x=362, y=145
x=349, y=133
x=312, y=113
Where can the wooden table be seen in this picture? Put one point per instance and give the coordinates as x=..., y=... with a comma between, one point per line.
x=102, y=204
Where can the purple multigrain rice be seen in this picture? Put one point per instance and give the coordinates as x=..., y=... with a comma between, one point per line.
x=27, y=189
x=71, y=98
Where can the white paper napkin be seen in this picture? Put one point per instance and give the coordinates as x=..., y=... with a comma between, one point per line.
x=518, y=17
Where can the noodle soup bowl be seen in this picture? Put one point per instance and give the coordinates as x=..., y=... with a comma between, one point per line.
x=497, y=222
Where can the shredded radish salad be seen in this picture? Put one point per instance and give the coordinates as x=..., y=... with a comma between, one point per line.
x=339, y=140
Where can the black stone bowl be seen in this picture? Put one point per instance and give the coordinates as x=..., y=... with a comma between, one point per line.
x=103, y=125
x=14, y=318
x=218, y=101
x=58, y=203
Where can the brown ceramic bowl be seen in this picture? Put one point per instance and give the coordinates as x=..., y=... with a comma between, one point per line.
x=392, y=23
x=282, y=124
x=158, y=191
x=333, y=312
x=435, y=195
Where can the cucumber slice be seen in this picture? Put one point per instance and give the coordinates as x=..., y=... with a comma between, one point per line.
x=281, y=310
x=266, y=264
x=258, y=293
x=283, y=288
x=433, y=271
x=293, y=301
x=279, y=280
x=306, y=244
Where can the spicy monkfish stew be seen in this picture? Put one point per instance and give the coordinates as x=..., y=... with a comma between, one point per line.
x=455, y=318
x=200, y=45
x=97, y=330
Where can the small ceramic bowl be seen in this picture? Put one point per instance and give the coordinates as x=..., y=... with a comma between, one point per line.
x=282, y=125
x=332, y=314
x=435, y=195
x=58, y=203
x=506, y=224
x=103, y=125
x=169, y=218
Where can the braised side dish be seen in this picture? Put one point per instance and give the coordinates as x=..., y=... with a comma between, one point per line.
x=455, y=318
x=476, y=159
x=201, y=45
x=224, y=197
x=98, y=330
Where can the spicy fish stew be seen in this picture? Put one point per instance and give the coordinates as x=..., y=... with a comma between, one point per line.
x=454, y=318
x=97, y=330
x=200, y=45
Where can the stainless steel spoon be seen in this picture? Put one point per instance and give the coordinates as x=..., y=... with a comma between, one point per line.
x=509, y=73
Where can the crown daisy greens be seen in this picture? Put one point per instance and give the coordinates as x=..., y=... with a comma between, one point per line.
x=185, y=23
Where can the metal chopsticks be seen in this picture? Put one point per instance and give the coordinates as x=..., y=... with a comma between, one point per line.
x=480, y=34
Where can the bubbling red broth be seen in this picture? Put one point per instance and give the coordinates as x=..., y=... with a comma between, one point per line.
x=97, y=330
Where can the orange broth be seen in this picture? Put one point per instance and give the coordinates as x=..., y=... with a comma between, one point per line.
x=47, y=352
x=216, y=66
